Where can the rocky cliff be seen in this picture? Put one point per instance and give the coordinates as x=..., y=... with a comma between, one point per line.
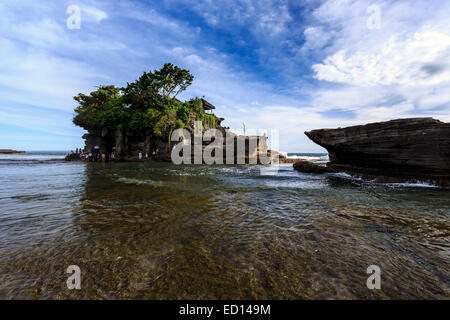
x=127, y=144
x=417, y=148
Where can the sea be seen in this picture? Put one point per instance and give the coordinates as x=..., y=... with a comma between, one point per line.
x=164, y=231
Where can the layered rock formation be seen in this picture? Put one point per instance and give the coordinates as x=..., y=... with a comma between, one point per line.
x=415, y=148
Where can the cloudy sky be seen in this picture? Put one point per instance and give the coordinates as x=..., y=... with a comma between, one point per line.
x=286, y=65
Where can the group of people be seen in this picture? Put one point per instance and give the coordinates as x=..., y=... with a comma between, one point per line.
x=154, y=153
x=76, y=152
x=74, y=155
x=96, y=155
x=93, y=156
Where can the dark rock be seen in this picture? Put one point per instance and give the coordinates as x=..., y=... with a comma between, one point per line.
x=309, y=167
x=416, y=148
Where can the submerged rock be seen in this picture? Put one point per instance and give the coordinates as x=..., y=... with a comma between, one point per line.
x=309, y=167
x=415, y=148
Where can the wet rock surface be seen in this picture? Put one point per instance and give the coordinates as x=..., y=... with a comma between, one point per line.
x=414, y=148
x=309, y=167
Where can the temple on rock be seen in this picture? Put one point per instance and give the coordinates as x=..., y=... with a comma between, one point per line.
x=127, y=144
x=136, y=122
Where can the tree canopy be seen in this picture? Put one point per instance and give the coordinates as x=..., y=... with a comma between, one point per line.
x=147, y=103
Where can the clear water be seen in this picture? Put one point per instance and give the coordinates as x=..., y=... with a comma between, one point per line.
x=160, y=231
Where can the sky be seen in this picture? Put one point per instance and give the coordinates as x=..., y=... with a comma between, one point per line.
x=290, y=66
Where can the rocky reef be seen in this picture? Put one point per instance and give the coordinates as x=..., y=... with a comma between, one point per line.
x=9, y=151
x=402, y=149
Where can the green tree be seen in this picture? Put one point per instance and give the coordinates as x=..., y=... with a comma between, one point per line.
x=102, y=108
x=147, y=103
x=170, y=80
x=155, y=88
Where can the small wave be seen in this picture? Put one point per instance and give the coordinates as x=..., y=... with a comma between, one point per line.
x=417, y=184
x=31, y=157
x=345, y=175
x=238, y=170
x=414, y=184
x=308, y=157
x=139, y=182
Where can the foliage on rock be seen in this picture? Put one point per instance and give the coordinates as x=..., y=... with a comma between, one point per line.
x=149, y=103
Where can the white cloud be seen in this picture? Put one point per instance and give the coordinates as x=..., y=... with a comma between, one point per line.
x=42, y=63
x=47, y=34
x=361, y=75
x=94, y=13
x=266, y=19
x=316, y=38
x=401, y=70
x=38, y=79
x=161, y=23
x=368, y=75
x=421, y=59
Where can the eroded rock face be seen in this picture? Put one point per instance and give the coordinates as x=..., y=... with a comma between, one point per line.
x=128, y=144
x=411, y=148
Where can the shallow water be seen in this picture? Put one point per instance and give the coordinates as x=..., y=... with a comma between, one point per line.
x=160, y=231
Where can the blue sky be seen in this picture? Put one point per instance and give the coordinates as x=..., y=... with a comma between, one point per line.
x=286, y=65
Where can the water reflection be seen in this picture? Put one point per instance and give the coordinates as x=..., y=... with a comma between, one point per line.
x=159, y=231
